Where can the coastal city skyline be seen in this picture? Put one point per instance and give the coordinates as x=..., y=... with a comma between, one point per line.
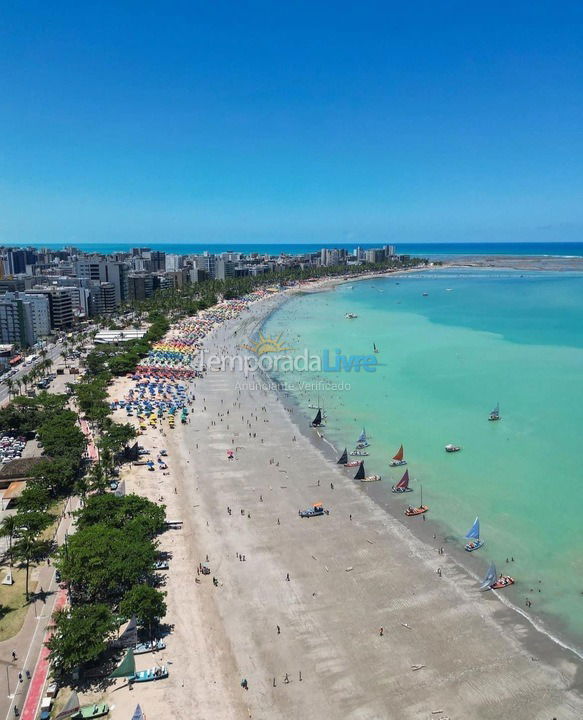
x=291, y=360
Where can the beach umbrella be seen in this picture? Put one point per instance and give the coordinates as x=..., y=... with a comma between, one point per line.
x=138, y=714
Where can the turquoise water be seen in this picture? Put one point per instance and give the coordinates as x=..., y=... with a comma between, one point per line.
x=477, y=338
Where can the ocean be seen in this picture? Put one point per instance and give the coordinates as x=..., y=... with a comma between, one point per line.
x=478, y=337
x=433, y=250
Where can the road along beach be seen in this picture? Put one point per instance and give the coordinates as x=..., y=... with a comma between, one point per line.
x=299, y=604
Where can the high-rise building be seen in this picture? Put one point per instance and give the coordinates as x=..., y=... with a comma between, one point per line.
x=15, y=262
x=24, y=317
x=140, y=286
x=224, y=269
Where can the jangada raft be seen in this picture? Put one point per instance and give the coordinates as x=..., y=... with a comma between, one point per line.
x=317, y=421
x=398, y=458
x=360, y=475
x=491, y=580
x=412, y=511
x=473, y=535
x=343, y=460
x=362, y=441
x=403, y=485
x=495, y=414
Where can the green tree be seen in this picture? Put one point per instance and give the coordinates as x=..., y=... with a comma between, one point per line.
x=9, y=528
x=29, y=548
x=131, y=512
x=146, y=603
x=80, y=636
x=34, y=498
x=102, y=563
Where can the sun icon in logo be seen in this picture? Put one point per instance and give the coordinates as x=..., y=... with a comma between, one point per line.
x=266, y=344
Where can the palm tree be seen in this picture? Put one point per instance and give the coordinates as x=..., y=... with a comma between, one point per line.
x=10, y=387
x=25, y=380
x=28, y=549
x=18, y=382
x=8, y=528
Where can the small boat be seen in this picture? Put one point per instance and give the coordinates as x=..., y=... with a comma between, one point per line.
x=359, y=453
x=398, y=458
x=425, y=294
x=350, y=316
x=452, y=448
x=94, y=710
x=343, y=459
x=148, y=647
x=412, y=511
x=375, y=348
x=403, y=485
x=360, y=475
x=315, y=511
x=317, y=421
x=491, y=580
x=352, y=463
x=473, y=535
x=495, y=414
x=155, y=673
x=362, y=441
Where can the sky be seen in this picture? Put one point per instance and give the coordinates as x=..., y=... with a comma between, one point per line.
x=248, y=121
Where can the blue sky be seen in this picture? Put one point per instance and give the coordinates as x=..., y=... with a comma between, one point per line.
x=309, y=121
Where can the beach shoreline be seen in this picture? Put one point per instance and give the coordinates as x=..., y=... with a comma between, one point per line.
x=385, y=575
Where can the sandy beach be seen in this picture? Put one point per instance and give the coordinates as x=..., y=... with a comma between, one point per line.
x=310, y=646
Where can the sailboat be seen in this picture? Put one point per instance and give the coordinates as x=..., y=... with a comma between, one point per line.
x=491, y=580
x=412, y=511
x=360, y=475
x=343, y=459
x=398, y=458
x=495, y=414
x=473, y=535
x=403, y=485
x=317, y=421
x=375, y=348
x=362, y=441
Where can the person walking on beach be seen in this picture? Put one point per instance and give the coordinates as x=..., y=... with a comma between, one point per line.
x=382, y=631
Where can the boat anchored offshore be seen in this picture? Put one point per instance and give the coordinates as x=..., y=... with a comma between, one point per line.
x=473, y=535
x=495, y=414
x=317, y=421
x=362, y=441
x=360, y=475
x=375, y=348
x=403, y=485
x=351, y=316
x=359, y=453
x=491, y=580
x=398, y=458
x=452, y=448
x=412, y=511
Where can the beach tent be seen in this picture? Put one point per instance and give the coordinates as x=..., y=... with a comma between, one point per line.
x=138, y=714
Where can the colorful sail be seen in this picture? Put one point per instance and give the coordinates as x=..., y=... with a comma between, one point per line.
x=127, y=667
x=474, y=532
x=489, y=578
x=399, y=454
x=362, y=436
x=403, y=483
x=343, y=459
x=360, y=472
